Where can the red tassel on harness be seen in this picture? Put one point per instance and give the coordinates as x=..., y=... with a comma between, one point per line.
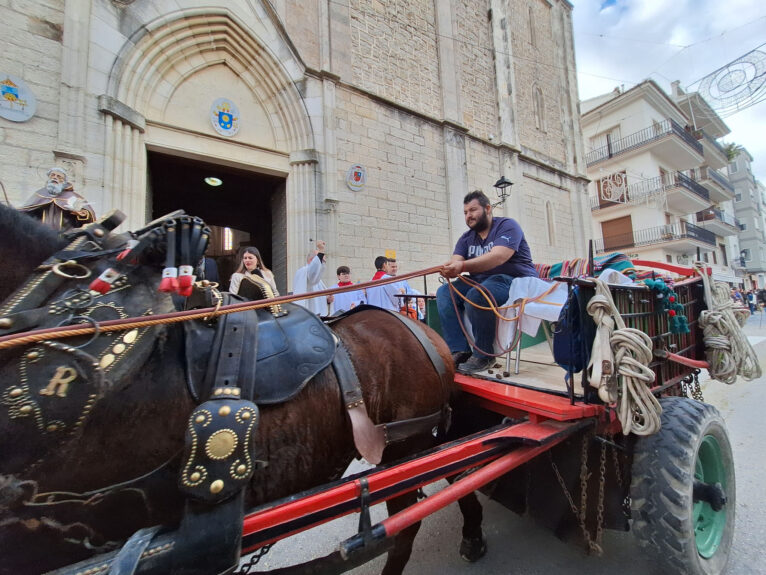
x=169, y=281
x=103, y=283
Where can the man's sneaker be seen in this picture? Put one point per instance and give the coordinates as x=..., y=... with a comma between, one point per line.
x=459, y=357
x=475, y=364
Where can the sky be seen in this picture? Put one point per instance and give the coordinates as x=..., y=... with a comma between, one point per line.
x=624, y=42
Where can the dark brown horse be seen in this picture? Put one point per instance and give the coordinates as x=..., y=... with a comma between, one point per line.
x=64, y=498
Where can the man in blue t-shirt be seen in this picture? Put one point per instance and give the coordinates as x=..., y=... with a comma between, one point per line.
x=493, y=251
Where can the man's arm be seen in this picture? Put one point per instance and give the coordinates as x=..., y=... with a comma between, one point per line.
x=493, y=258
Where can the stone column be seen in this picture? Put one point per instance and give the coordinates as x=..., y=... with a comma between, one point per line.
x=504, y=77
x=124, y=161
x=301, y=209
x=453, y=130
x=70, y=144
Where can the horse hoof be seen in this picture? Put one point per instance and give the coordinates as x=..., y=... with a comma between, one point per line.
x=473, y=549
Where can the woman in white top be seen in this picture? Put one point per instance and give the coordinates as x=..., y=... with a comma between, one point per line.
x=251, y=263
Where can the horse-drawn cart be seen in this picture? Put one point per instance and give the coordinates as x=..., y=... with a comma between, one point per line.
x=633, y=448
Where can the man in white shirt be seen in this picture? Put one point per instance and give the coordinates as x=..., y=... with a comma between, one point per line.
x=383, y=296
x=309, y=279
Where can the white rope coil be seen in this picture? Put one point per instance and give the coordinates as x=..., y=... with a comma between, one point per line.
x=625, y=352
x=727, y=349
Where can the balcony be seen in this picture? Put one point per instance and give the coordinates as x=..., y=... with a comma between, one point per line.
x=667, y=139
x=685, y=196
x=718, y=222
x=639, y=192
x=713, y=152
x=678, y=238
x=718, y=185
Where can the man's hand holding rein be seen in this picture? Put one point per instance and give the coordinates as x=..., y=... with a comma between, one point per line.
x=453, y=268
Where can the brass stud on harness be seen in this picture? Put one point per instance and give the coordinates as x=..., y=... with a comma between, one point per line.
x=241, y=469
x=15, y=392
x=245, y=415
x=5, y=322
x=98, y=232
x=225, y=410
x=107, y=360
x=216, y=486
x=25, y=409
x=33, y=355
x=199, y=419
x=195, y=476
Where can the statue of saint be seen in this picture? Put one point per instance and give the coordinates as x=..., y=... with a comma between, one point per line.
x=58, y=205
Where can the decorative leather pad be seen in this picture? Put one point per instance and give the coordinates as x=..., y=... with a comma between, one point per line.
x=291, y=349
x=218, y=458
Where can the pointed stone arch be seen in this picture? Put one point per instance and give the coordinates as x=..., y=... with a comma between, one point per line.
x=162, y=55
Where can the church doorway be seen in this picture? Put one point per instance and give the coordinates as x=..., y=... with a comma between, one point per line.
x=242, y=208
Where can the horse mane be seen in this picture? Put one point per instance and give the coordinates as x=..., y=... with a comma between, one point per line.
x=26, y=243
x=37, y=240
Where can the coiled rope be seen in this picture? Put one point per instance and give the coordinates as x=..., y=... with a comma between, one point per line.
x=625, y=352
x=727, y=349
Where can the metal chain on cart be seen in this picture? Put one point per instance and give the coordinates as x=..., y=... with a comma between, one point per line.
x=600, y=506
x=691, y=386
x=581, y=514
x=254, y=559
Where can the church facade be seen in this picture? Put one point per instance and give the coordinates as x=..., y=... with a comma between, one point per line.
x=360, y=122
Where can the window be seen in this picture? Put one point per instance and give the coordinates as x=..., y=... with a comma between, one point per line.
x=715, y=258
x=724, y=259
x=745, y=254
x=539, y=104
x=733, y=168
x=743, y=227
x=705, y=258
x=551, y=224
x=532, y=27
x=738, y=197
x=669, y=259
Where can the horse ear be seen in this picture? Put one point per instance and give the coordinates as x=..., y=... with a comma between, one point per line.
x=254, y=287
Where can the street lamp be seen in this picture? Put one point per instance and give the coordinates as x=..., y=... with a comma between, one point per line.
x=502, y=186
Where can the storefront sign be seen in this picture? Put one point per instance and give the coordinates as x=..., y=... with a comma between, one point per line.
x=356, y=178
x=224, y=115
x=17, y=102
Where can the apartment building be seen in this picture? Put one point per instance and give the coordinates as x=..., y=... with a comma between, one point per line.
x=659, y=189
x=750, y=208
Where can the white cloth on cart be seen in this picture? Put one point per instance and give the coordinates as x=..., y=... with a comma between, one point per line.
x=548, y=308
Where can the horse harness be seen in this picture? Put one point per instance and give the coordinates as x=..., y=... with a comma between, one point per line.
x=259, y=357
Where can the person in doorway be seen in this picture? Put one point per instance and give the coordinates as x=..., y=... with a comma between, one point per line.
x=347, y=300
x=58, y=205
x=493, y=251
x=251, y=263
x=383, y=296
x=309, y=279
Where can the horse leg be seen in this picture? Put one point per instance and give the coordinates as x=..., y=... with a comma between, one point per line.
x=400, y=554
x=473, y=546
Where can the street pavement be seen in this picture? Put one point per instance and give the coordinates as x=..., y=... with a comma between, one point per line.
x=518, y=546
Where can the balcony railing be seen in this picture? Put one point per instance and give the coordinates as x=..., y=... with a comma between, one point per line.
x=708, y=173
x=716, y=214
x=635, y=193
x=641, y=138
x=686, y=182
x=656, y=235
x=708, y=138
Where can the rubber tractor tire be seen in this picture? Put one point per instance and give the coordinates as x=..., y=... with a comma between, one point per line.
x=679, y=476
